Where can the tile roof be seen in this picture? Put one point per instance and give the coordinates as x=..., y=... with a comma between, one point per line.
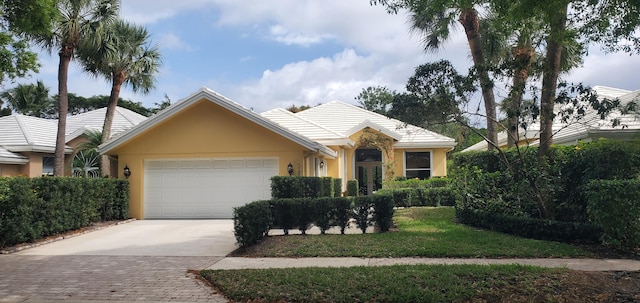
x=123, y=119
x=342, y=118
x=25, y=133
x=7, y=157
x=306, y=128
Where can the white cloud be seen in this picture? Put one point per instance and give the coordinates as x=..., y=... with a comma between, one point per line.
x=173, y=42
x=281, y=34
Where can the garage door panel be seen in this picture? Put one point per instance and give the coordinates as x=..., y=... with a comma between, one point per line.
x=205, y=188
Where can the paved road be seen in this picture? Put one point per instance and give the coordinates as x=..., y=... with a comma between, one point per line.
x=141, y=261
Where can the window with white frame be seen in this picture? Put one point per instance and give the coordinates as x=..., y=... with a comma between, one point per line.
x=417, y=165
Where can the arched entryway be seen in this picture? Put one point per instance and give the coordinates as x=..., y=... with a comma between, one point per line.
x=368, y=170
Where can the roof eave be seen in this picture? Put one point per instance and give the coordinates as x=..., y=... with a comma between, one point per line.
x=434, y=144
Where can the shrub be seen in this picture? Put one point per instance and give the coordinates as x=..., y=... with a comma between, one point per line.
x=283, y=187
x=251, y=222
x=342, y=212
x=529, y=227
x=417, y=183
x=362, y=212
x=383, y=207
x=323, y=212
x=337, y=187
x=401, y=196
x=327, y=187
x=40, y=207
x=283, y=211
x=352, y=188
x=312, y=187
x=303, y=212
x=613, y=205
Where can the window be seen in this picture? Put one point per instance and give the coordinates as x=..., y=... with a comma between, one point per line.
x=47, y=166
x=417, y=165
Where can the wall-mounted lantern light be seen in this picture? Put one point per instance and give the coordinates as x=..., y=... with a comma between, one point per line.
x=321, y=164
x=126, y=172
x=290, y=169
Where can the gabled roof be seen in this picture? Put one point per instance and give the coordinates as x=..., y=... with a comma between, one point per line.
x=20, y=133
x=306, y=128
x=344, y=118
x=123, y=119
x=210, y=95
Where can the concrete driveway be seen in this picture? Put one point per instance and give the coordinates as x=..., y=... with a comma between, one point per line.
x=141, y=261
x=149, y=238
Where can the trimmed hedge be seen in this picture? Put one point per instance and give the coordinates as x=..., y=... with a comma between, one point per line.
x=289, y=187
x=408, y=197
x=529, y=227
x=417, y=183
x=614, y=205
x=253, y=221
x=31, y=209
x=352, y=188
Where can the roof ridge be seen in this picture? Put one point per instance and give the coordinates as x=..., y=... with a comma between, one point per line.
x=23, y=128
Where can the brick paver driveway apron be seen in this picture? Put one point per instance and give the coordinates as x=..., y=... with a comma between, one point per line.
x=142, y=261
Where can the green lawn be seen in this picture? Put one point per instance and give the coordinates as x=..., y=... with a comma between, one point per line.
x=423, y=232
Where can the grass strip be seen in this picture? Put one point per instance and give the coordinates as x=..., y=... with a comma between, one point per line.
x=417, y=283
x=422, y=232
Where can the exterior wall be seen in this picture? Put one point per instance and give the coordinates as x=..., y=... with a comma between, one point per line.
x=204, y=130
x=10, y=170
x=34, y=167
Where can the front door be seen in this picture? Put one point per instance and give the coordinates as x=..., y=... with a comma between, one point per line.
x=368, y=170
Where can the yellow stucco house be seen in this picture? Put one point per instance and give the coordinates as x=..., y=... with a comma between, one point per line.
x=206, y=154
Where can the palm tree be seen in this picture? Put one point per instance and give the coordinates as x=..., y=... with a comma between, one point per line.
x=28, y=99
x=76, y=20
x=123, y=56
x=433, y=21
x=86, y=161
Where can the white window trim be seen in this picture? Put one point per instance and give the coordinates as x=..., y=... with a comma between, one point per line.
x=404, y=161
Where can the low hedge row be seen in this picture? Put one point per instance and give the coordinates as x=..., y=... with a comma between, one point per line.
x=613, y=205
x=284, y=187
x=529, y=227
x=253, y=221
x=32, y=209
x=402, y=182
x=433, y=196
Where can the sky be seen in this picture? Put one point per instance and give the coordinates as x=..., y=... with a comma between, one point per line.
x=278, y=53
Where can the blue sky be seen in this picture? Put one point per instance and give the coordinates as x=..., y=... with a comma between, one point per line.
x=268, y=54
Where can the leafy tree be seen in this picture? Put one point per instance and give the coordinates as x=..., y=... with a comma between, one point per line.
x=75, y=21
x=433, y=20
x=20, y=18
x=376, y=99
x=123, y=55
x=28, y=99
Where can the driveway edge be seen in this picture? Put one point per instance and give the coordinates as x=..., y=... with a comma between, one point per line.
x=62, y=236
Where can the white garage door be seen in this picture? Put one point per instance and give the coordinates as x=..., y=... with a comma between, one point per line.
x=205, y=188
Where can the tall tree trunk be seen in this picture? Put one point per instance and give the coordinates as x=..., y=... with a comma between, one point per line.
x=66, y=52
x=523, y=56
x=118, y=79
x=471, y=23
x=553, y=58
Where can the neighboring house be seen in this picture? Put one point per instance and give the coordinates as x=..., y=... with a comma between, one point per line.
x=590, y=128
x=27, y=144
x=206, y=154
